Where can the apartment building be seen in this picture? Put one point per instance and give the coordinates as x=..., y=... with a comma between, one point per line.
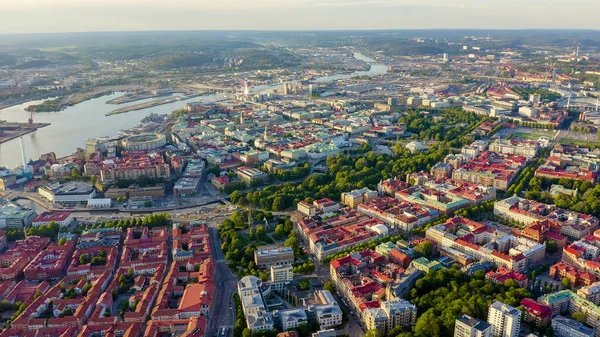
x=273, y=256
x=467, y=326
x=356, y=197
x=504, y=320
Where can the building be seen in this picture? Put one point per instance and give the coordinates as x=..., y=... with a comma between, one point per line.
x=253, y=304
x=482, y=243
x=347, y=228
x=466, y=326
x=72, y=192
x=250, y=175
x=133, y=165
x=321, y=333
x=13, y=215
x=307, y=208
x=504, y=274
x=49, y=264
x=577, y=276
x=504, y=320
x=186, y=187
x=525, y=148
x=63, y=219
x=491, y=169
x=591, y=292
x=356, y=197
x=290, y=318
x=328, y=313
x=136, y=191
x=280, y=276
x=568, y=223
x=537, y=312
x=571, y=162
x=144, y=142
x=398, y=213
x=425, y=265
x=390, y=314
x=566, y=301
x=564, y=327
x=279, y=256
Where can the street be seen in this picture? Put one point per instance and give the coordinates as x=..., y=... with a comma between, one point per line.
x=223, y=310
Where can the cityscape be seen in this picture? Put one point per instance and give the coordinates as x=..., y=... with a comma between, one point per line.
x=294, y=183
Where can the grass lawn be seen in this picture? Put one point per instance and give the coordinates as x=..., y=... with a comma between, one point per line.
x=245, y=239
x=533, y=135
x=579, y=142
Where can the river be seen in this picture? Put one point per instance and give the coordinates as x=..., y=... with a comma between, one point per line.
x=71, y=127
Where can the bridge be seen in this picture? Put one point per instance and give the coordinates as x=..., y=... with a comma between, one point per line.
x=213, y=87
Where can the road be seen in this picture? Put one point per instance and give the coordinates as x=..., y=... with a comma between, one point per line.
x=223, y=310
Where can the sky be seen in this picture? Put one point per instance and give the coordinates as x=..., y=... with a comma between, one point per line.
x=39, y=16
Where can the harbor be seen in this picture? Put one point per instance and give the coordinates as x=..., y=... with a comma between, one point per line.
x=11, y=130
x=151, y=104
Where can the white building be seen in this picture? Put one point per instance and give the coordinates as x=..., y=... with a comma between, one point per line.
x=467, y=326
x=280, y=276
x=504, y=319
x=328, y=314
x=99, y=203
x=68, y=193
x=63, y=219
x=291, y=318
x=390, y=314
x=253, y=304
x=324, y=333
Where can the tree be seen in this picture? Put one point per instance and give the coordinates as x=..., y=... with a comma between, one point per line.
x=84, y=259
x=292, y=242
x=62, y=241
x=261, y=233
x=247, y=333
x=278, y=204
x=304, y=285
x=86, y=288
x=579, y=316
x=329, y=286
x=424, y=249
x=566, y=283
x=373, y=333
x=551, y=247
x=303, y=329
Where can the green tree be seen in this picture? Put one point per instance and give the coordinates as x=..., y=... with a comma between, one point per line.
x=373, y=333
x=62, y=241
x=424, y=249
x=329, y=286
x=566, y=283
x=579, y=316
x=551, y=247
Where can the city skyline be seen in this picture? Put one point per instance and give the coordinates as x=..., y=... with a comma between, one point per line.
x=35, y=16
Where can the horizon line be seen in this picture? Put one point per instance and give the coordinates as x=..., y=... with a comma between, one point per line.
x=307, y=30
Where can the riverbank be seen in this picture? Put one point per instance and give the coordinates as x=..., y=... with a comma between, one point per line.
x=15, y=130
x=139, y=95
x=152, y=104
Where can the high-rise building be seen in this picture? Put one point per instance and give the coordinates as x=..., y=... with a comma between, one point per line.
x=467, y=326
x=504, y=319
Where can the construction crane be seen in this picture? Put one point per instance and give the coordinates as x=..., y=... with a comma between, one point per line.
x=30, y=120
x=551, y=71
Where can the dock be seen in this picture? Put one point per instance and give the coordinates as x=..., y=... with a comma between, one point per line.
x=151, y=104
x=11, y=130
